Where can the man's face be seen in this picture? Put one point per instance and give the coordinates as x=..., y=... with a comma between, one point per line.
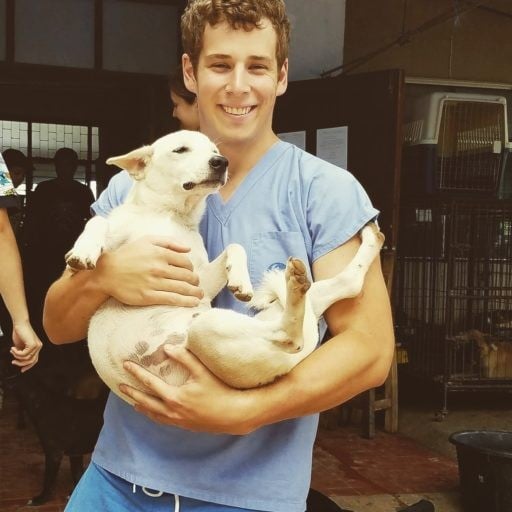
x=236, y=82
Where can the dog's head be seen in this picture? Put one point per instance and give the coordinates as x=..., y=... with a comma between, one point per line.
x=179, y=165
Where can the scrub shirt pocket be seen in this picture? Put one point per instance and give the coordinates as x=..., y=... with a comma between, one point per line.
x=271, y=250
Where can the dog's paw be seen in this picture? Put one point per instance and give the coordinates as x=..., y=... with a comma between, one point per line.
x=297, y=276
x=79, y=258
x=242, y=293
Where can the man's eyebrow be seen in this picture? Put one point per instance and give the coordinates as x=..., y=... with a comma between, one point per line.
x=226, y=56
x=218, y=56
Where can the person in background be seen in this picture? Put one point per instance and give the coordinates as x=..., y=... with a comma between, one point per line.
x=203, y=446
x=26, y=345
x=56, y=214
x=184, y=102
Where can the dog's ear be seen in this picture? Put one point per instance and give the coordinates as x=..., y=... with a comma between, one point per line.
x=135, y=162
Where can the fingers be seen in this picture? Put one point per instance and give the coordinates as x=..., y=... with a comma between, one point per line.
x=158, y=390
x=26, y=362
x=170, y=271
x=23, y=355
x=184, y=357
x=166, y=243
x=168, y=298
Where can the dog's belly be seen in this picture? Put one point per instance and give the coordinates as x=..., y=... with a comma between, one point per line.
x=118, y=333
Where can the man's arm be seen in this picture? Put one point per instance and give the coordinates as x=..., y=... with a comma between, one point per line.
x=26, y=343
x=148, y=271
x=357, y=358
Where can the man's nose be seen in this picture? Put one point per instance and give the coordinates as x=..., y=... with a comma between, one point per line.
x=238, y=82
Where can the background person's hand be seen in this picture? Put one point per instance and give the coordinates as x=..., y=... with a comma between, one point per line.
x=149, y=271
x=26, y=346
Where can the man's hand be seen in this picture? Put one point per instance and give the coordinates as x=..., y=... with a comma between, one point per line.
x=26, y=346
x=151, y=270
x=204, y=403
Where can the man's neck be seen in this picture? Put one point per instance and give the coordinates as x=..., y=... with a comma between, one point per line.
x=242, y=158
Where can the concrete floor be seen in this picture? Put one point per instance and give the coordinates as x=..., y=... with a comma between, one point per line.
x=382, y=475
x=420, y=404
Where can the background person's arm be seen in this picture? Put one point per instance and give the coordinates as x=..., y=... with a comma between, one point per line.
x=357, y=358
x=26, y=343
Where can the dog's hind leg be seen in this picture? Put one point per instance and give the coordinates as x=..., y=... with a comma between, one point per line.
x=297, y=284
x=349, y=282
x=53, y=459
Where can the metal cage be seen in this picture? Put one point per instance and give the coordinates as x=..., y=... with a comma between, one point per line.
x=454, y=292
x=456, y=142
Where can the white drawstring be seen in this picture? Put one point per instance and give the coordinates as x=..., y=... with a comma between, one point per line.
x=157, y=494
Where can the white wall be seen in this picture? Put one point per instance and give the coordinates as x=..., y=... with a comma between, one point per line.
x=318, y=33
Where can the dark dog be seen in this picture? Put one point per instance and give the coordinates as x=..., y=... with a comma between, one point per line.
x=64, y=399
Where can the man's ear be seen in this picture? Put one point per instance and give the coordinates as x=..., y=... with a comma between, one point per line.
x=135, y=162
x=282, y=79
x=189, y=77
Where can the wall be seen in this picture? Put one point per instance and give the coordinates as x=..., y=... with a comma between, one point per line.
x=317, y=36
x=477, y=46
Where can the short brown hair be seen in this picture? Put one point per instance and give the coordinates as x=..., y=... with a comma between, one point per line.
x=245, y=14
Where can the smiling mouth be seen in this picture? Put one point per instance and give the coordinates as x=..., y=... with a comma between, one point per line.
x=237, y=111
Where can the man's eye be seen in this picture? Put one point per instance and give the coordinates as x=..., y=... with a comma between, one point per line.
x=181, y=149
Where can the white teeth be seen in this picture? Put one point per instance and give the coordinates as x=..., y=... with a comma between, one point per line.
x=237, y=111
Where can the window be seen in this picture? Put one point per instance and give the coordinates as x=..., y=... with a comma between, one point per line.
x=40, y=141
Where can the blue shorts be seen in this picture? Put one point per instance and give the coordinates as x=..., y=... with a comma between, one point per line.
x=98, y=490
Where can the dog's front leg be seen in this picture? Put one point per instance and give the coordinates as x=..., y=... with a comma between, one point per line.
x=89, y=245
x=230, y=268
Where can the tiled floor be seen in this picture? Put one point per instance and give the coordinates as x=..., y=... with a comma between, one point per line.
x=352, y=470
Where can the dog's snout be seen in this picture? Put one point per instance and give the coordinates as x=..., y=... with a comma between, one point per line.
x=218, y=163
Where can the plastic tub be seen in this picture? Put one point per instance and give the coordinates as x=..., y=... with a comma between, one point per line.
x=485, y=470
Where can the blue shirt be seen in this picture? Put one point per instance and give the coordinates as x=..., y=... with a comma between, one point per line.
x=291, y=203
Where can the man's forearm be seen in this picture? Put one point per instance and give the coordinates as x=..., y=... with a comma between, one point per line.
x=70, y=303
x=345, y=366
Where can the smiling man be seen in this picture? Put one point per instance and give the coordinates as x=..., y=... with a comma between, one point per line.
x=203, y=446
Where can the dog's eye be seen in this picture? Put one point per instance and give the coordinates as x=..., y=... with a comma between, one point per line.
x=181, y=149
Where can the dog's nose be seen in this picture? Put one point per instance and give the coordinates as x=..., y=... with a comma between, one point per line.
x=218, y=163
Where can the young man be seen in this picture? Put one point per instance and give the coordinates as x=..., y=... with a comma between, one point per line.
x=26, y=344
x=204, y=446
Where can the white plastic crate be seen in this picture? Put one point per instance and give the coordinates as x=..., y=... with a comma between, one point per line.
x=458, y=141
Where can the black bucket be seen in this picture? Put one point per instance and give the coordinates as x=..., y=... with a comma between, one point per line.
x=485, y=470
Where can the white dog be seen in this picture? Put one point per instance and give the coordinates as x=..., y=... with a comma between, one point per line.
x=173, y=177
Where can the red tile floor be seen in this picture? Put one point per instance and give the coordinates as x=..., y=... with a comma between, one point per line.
x=345, y=464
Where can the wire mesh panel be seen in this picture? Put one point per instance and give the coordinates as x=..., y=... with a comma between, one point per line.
x=455, y=142
x=469, y=148
x=454, y=291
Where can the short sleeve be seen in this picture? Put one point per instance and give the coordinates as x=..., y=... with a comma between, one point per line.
x=8, y=195
x=114, y=195
x=338, y=207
